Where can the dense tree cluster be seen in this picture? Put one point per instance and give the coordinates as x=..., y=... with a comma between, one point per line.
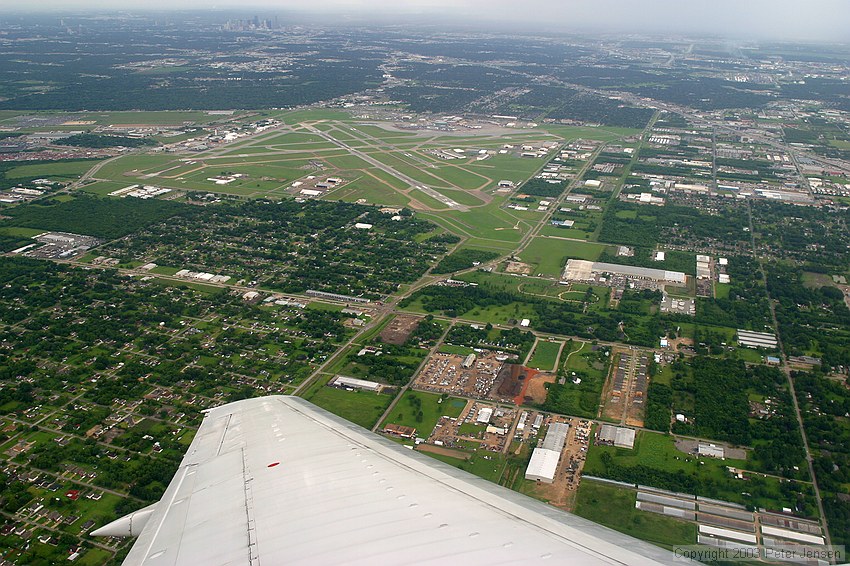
x=513, y=340
x=816, y=237
x=543, y=188
x=800, y=309
x=694, y=390
x=825, y=403
x=101, y=141
x=557, y=317
x=640, y=225
x=84, y=214
x=463, y=259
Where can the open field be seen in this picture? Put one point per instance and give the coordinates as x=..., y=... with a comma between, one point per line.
x=61, y=170
x=545, y=355
x=614, y=507
x=406, y=411
x=658, y=452
x=550, y=254
x=360, y=407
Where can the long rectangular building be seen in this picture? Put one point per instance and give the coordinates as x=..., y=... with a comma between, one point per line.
x=752, y=339
x=583, y=270
x=354, y=383
x=544, y=460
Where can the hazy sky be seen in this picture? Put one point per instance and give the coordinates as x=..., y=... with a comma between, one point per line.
x=812, y=19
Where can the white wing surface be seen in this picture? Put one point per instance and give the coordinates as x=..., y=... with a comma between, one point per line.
x=276, y=480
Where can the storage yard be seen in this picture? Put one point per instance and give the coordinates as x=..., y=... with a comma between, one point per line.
x=625, y=389
x=471, y=376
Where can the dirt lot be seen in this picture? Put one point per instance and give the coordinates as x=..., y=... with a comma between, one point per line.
x=443, y=451
x=562, y=492
x=535, y=389
x=624, y=394
x=399, y=329
x=518, y=267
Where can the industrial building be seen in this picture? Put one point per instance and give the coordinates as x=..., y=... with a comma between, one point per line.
x=703, y=267
x=543, y=465
x=711, y=450
x=400, y=430
x=752, y=339
x=544, y=460
x=556, y=437
x=563, y=223
x=469, y=361
x=583, y=270
x=620, y=437
x=353, y=383
x=484, y=415
x=336, y=297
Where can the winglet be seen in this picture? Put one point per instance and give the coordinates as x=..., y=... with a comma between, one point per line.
x=127, y=526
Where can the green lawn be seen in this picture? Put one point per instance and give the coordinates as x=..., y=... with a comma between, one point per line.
x=721, y=290
x=614, y=507
x=545, y=355
x=60, y=169
x=580, y=399
x=484, y=464
x=164, y=117
x=372, y=190
x=549, y=255
x=360, y=407
x=452, y=349
x=406, y=412
x=656, y=451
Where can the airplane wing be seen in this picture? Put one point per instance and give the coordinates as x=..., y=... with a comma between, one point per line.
x=276, y=480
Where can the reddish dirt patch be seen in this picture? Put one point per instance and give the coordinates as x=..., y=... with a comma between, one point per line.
x=535, y=388
x=399, y=329
x=530, y=375
x=443, y=451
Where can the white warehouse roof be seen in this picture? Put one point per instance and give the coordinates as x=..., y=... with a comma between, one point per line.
x=343, y=381
x=543, y=465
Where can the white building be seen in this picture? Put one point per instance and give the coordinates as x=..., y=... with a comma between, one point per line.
x=543, y=465
x=343, y=381
x=484, y=415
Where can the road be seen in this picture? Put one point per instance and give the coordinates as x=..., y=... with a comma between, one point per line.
x=401, y=392
x=786, y=369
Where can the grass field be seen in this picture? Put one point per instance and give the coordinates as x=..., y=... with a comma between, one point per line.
x=406, y=412
x=360, y=407
x=658, y=452
x=62, y=169
x=545, y=355
x=602, y=133
x=163, y=118
x=103, y=188
x=578, y=360
x=372, y=190
x=614, y=507
x=487, y=465
x=21, y=232
x=549, y=255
